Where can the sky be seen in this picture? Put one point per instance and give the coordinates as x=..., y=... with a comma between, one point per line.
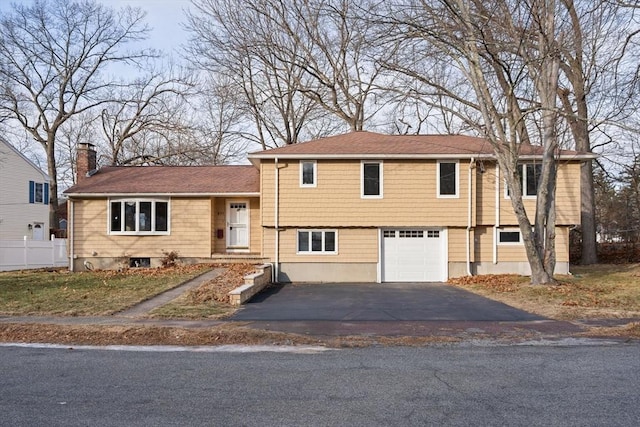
x=163, y=16
x=165, y=19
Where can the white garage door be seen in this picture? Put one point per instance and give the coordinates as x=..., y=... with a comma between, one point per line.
x=414, y=255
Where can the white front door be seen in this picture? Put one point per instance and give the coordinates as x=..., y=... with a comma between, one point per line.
x=238, y=225
x=38, y=231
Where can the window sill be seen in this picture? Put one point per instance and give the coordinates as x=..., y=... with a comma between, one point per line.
x=139, y=233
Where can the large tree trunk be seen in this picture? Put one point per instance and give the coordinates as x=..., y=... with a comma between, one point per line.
x=587, y=215
x=573, y=69
x=52, y=170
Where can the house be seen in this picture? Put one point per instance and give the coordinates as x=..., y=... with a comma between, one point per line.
x=24, y=196
x=349, y=208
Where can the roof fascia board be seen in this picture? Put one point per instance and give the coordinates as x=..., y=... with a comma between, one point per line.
x=369, y=156
x=131, y=195
x=580, y=156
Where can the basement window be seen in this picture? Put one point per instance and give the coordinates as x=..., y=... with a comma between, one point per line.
x=509, y=236
x=140, y=262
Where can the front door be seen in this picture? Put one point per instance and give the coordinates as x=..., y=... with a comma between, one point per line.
x=238, y=225
x=38, y=231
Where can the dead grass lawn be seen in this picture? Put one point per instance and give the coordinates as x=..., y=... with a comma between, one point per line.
x=599, y=291
x=93, y=293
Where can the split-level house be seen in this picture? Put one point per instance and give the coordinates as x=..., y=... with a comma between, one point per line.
x=349, y=208
x=24, y=196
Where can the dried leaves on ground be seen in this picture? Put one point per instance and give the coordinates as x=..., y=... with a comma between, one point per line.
x=208, y=301
x=219, y=335
x=218, y=289
x=592, y=292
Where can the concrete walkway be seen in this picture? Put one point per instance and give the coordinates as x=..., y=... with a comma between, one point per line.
x=167, y=296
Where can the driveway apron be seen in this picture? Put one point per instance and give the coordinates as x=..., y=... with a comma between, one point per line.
x=376, y=302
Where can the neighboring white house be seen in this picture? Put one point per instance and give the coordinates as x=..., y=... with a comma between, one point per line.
x=24, y=196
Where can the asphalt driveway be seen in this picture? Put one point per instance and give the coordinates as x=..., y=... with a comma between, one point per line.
x=376, y=302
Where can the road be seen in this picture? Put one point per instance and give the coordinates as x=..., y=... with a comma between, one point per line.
x=458, y=385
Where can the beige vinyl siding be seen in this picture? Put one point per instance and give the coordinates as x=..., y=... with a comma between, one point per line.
x=256, y=226
x=483, y=244
x=515, y=252
x=562, y=244
x=457, y=238
x=220, y=223
x=567, y=196
x=190, y=230
x=409, y=196
x=355, y=245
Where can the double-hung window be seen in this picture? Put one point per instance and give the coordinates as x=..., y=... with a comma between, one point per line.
x=448, y=179
x=308, y=173
x=138, y=216
x=528, y=179
x=39, y=192
x=317, y=242
x=371, y=179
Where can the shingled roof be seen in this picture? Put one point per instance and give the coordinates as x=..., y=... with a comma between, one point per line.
x=364, y=144
x=140, y=180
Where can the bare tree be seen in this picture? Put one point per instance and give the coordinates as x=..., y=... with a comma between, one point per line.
x=297, y=62
x=591, y=77
x=219, y=131
x=81, y=128
x=53, y=58
x=153, y=104
x=232, y=39
x=509, y=53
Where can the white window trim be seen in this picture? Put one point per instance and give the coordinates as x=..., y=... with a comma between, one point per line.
x=523, y=183
x=153, y=216
x=227, y=232
x=323, y=231
x=509, y=230
x=315, y=174
x=448, y=196
x=381, y=164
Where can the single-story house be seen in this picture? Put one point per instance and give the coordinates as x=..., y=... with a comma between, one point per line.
x=356, y=207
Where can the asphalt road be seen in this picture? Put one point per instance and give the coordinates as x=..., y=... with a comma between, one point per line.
x=460, y=385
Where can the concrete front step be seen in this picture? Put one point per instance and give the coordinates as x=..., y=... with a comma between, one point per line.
x=237, y=258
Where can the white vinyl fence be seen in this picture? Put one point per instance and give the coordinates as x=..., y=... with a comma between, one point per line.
x=25, y=254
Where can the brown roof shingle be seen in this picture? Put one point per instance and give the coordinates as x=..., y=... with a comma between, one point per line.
x=363, y=143
x=170, y=180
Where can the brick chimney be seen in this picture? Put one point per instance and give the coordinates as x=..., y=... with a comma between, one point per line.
x=85, y=161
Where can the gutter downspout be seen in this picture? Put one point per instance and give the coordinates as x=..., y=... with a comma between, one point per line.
x=497, y=222
x=470, y=216
x=276, y=224
x=70, y=227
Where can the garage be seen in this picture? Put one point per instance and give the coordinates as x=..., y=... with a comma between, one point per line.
x=414, y=255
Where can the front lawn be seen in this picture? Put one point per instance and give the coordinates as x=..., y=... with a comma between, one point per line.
x=93, y=293
x=208, y=301
x=597, y=291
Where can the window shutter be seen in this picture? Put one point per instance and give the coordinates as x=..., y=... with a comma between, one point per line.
x=46, y=193
x=32, y=192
